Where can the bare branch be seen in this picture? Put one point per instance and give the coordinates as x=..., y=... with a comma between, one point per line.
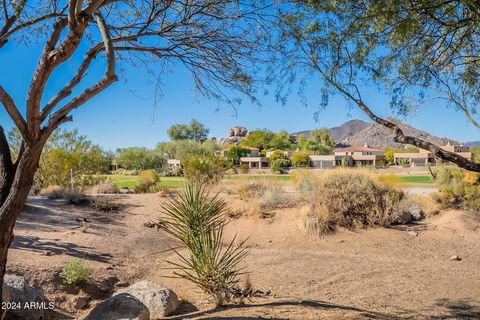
x=12, y=111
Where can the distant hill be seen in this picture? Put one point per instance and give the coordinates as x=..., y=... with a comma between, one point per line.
x=358, y=132
x=473, y=144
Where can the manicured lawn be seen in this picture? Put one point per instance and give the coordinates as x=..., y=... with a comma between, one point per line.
x=410, y=179
x=124, y=181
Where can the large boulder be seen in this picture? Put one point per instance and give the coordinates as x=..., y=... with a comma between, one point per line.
x=161, y=302
x=27, y=302
x=122, y=306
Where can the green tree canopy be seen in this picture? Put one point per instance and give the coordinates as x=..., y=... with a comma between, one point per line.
x=193, y=131
x=184, y=149
x=139, y=158
x=260, y=139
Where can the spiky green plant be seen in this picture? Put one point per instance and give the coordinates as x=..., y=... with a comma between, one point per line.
x=197, y=220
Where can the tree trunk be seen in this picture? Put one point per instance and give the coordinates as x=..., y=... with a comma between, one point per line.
x=16, y=181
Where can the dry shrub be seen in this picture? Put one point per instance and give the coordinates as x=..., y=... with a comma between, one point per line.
x=429, y=206
x=106, y=204
x=259, y=197
x=303, y=180
x=105, y=187
x=52, y=192
x=352, y=199
x=70, y=196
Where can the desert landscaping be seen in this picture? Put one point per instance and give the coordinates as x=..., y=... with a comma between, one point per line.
x=404, y=271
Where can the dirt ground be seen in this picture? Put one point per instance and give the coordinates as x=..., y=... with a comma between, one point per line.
x=396, y=273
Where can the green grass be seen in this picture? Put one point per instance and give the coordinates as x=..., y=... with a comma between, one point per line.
x=124, y=181
x=408, y=179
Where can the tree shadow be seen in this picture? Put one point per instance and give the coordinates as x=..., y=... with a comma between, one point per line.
x=308, y=304
x=460, y=309
x=35, y=244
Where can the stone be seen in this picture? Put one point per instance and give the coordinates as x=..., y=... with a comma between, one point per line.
x=122, y=306
x=160, y=301
x=413, y=233
x=17, y=291
x=80, y=303
x=455, y=258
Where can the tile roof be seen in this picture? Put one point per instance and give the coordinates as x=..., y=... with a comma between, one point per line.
x=355, y=149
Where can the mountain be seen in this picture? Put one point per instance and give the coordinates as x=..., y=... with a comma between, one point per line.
x=473, y=144
x=342, y=132
x=358, y=132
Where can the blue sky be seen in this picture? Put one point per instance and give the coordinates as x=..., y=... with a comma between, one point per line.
x=126, y=115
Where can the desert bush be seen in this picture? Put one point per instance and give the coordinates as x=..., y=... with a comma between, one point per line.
x=146, y=180
x=204, y=170
x=244, y=168
x=105, y=187
x=351, y=199
x=197, y=220
x=457, y=188
x=106, y=204
x=75, y=272
x=70, y=196
x=300, y=159
x=303, y=180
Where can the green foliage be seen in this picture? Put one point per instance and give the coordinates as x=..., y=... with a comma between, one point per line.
x=204, y=170
x=236, y=152
x=194, y=131
x=281, y=163
x=281, y=140
x=389, y=155
x=300, y=159
x=476, y=153
x=75, y=272
x=321, y=142
x=185, y=149
x=457, y=187
x=276, y=155
x=146, y=180
x=197, y=220
x=244, y=168
x=69, y=157
x=260, y=139
x=139, y=158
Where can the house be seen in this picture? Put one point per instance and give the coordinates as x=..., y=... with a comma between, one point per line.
x=425, y=157
x=174, y=163
x=361, y=156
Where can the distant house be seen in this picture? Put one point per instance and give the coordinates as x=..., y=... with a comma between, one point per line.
x=425, y=157
x=174, y=163
x=360, y=156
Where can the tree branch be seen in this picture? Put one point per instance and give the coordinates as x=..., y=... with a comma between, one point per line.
x=13, y=112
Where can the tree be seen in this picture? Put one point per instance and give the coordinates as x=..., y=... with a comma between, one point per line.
x=218, y=41
x=300, y=159
x=389, y=155
x=321, y=142
x=235, y=153
x=139, y=158
x=413, y=50
x=280, y=140
x=184, y=149
x=260, y=139
x=194, y=131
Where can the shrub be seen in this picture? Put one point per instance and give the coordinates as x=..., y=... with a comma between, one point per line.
x=146, y=179
x=244, y=168
x=105, y=187
x=276, y=155
x=351, y=199
x=204, y=170
x=106, y=204
x=70, y=196
x=197, y=220
x=457, y=188
x=300, y=159
x=52, y=192
x=75, y=272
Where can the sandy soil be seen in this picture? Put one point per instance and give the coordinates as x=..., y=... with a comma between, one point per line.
x=397, y=273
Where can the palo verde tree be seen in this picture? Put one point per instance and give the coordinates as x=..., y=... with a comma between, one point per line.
x=415, y=51
x=216, y=40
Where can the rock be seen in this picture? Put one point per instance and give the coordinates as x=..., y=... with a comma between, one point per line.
x=160, y=302
x=407, y=212
x=126, y=191
x=234, y=135
x=80, y=303
x=455, y=258
x=16, y=290
x=412, y=233
x=121, y=284
x=122, y=306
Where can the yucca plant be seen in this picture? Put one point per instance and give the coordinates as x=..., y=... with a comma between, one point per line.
x=197, y=220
